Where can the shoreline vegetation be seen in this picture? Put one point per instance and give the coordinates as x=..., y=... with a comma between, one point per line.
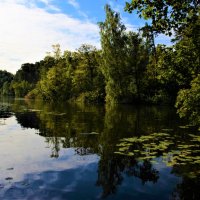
x=129, y=68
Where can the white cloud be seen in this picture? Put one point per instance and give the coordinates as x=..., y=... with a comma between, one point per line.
x=116, y=7
x=74, y=3
x=27, y=32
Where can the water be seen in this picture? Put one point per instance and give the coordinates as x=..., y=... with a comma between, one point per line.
x=67, y=151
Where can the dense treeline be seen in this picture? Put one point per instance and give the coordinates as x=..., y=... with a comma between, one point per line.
x=5, y=83
x=128, y=68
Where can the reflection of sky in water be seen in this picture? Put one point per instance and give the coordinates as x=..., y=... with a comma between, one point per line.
x=35, y=175
x=132, y=188
x=26, y=153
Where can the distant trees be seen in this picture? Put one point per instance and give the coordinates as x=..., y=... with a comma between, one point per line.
x=70, y=75
x=5, y=82
x=5, y=77
x=56, y=85
x=28, y=72
x=25, y=79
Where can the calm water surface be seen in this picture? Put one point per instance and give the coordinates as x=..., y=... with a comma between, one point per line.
x=70, y=151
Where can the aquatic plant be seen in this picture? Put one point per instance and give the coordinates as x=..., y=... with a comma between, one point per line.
x=171, y=149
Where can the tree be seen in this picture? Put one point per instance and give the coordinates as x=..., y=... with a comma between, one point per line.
x=5, y=77
x=45, y=64
x=88, y=60
x=178, y=65
x=88, y=81
x=29, y=72
x=170, y=68
x=22, y=88
x=56, y=51
x=85, y=69
x=137, y=60
x=56, y=85
x=166, y=15
x=7, y=89
x=188, y=102
x=113, y=66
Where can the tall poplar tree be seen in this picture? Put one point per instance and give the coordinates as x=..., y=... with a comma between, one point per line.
x=113, y=42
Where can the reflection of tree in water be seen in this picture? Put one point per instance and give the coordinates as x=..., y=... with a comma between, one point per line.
x=112, y=167
x=5, y=111
x=81, y=147
x=28, y=119
x=144, y=171
x=188, y=189
x=54, y=144
x=62, y=125
x=69, y=126
x=69, y=121
x=73, y=128
x=109, y=175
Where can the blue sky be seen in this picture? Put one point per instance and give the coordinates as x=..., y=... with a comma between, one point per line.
x=29, y=28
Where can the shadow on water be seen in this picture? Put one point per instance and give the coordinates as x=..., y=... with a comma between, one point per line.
x=98, y=130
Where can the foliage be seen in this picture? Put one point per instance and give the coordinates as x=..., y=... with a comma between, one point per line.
x=56, y=85
x=25, y=79
x=170, y=68
x=136, y=59
x=5, y=81
x=7, y=89
x=5, y=77
x=22, y=88
x=176, y=66
x=113, y=42
x=124, y=60
x=87, y=78
x=28, y=72
x=166, y=15
x=188, y=101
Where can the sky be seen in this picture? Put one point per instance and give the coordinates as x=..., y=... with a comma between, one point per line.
x=29, y=28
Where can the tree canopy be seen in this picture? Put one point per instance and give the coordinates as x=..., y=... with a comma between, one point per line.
x=166, y=15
